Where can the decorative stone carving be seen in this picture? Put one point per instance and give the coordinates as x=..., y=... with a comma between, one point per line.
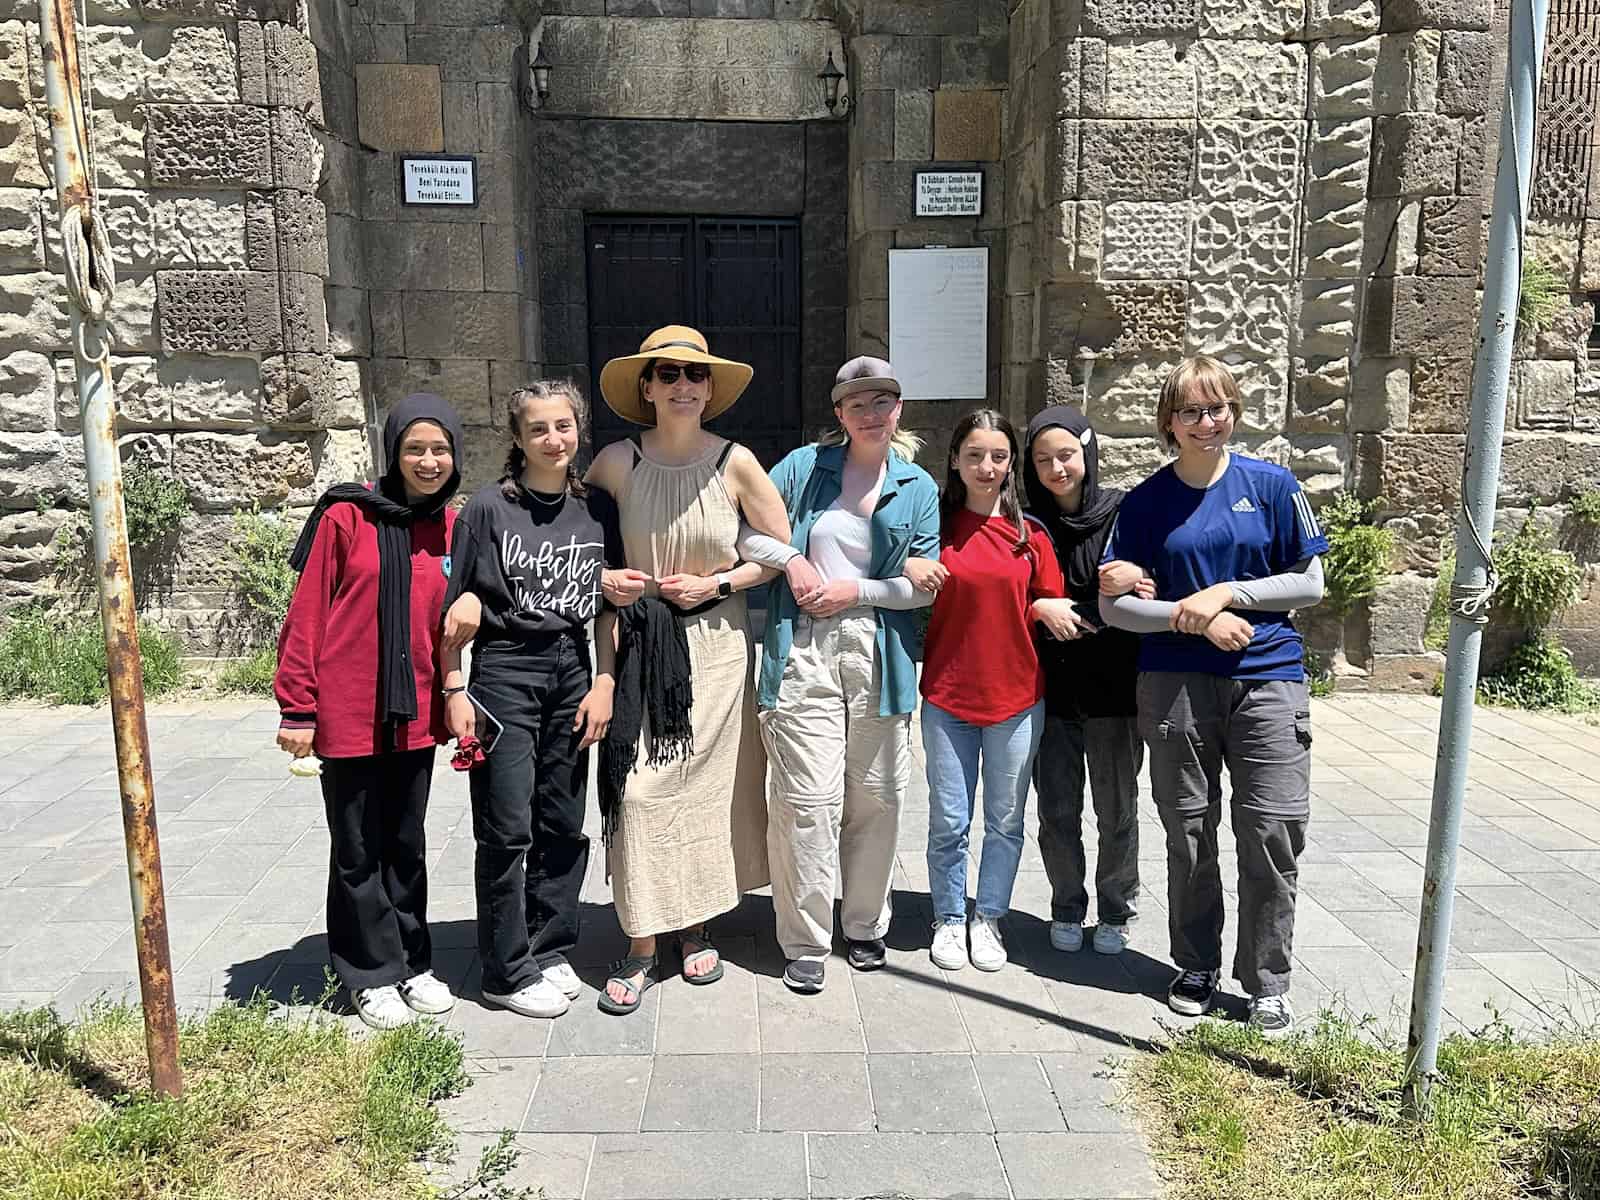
x=1061, y=158
x=1141, y=18
x=297, y=155
x=218, y=312
x=287, y=230
x=1113, y=320
x=1121, y=396
x=232, y=470
x=1342, y=74
x=1257, y=20
x=1127, y=462
x=1264, y=80
x=1136, y=160
x=1335, y=205
x=1319, y=387
x=1327, y=317
x=1249, y=161
x=1245, y=239
x=208, y=145
x=1465, y=65
x=1137, y=80
x=1450, y=239
x=1542, y=393
x=278, y=65
x=1338, y=18
x=1246, y=316
x=1569, y=97
x=173, y=63
x=1415, y=155
x=1145, y=241
x=302, y=304
x=1441, y=390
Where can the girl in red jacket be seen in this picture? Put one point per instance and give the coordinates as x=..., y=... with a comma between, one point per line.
x=358, y=685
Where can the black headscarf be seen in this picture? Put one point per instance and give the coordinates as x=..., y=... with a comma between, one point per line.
x=1079, y=537
x=397, y=691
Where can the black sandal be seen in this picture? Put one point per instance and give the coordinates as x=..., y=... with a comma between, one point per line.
x=703, y=939
x=622, y=973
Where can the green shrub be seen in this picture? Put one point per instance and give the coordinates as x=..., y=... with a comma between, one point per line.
x=262, y=575
x=155, y=504
x=1537, y=581
x=1539, y=674
x=1358, y=555
x=1319, y=677
x=1584, y=509
x=61, y=657
x=253, y=675
x=1542, y=294
x=1436, y=630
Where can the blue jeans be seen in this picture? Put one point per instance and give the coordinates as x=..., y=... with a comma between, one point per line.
x=953, y=748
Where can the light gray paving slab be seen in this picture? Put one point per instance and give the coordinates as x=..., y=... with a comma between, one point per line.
x=496, y=1098
x=700, y=1093
x=585, y=1030
x=906, y=1010
x=497, y=1032
x=590, y=1095
x=927, y=1093
x=554, y=1166
x=229, y=870
x=930, y=1166
x=1085, y=1166
x=1018, y=1093
x=791, y=1023
x=822, y=1092
x=47, y=958
x=1010, y=1011
x=1089, y=1094
x=715, y=1018
x=698, y=1166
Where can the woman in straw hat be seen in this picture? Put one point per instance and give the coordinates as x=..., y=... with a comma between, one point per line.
x=682, y=771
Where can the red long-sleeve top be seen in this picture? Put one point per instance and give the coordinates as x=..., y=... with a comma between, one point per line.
x=328, y=647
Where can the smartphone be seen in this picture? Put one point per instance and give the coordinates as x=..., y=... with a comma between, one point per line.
x=488, y=727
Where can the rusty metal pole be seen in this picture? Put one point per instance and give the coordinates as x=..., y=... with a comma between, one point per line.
x=90, y=280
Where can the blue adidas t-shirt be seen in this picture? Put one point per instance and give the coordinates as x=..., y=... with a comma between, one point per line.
x=1253, y=522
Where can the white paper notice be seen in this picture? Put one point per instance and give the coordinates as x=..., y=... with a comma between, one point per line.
x=939, y=322
x=447, y=181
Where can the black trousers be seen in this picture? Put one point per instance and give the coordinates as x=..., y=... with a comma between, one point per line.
x=377, y=867
x=528, y=802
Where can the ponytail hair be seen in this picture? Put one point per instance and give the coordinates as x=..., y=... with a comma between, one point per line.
x=954, y=498
x=516, y=460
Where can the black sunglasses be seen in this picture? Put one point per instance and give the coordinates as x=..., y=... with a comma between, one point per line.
x=693, y=372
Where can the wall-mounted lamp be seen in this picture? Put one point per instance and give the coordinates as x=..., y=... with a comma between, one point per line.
x=831, y=78
x=535, y=89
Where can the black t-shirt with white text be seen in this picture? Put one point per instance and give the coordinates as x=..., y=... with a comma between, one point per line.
x=535, y=561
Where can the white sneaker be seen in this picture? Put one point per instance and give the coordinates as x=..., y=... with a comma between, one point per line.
x=427, y=993
x=1109, y=938
x=565, y=978
x=542, y=999
x=1271, y=1016
x=1066, y=936
x=988, y=950
x=949, y=945
x=382, y=1007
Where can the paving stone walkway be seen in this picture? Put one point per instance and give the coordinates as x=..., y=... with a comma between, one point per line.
x=906, y=1082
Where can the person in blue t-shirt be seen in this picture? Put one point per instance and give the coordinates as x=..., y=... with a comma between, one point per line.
x=1232, y=545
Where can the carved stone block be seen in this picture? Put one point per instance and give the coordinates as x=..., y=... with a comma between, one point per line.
x=400, y=107
x=1145, y=241
x=1401, y=15
x=129, y=63
x=311, y=391
x=1342, y=75
x=1419, y=472
x=1542, y=394
x=297, y=155
x=1249, y=161
x=1589, y=265
x=1114, y=320
x=1141, y=18
x=1248, y=317
x=218, y=312
x=1061, y=158
x=1441, y=392
x=1407, y=78
x=1137, y=160
x=208, y=145
x=1257, y=20
x=1137, y=80
x=1326, y=318
x=1340, y=18
x=1335, y=204
x=966, y=126
x=1319, y=390
x=1465, y=71
x=463, y=325
x=1451, y=236
x=287, y=231
x=302, y=305
x=1415, y=155
x=233, y=470
x=1122, y=396
x=1245, y=239
x=1380, y=396
x=1263, y=80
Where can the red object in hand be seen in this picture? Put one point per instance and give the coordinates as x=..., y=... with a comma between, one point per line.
x=469, y=754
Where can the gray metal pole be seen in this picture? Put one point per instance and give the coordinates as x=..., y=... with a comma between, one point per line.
x=1469, y=591
x=90, y=280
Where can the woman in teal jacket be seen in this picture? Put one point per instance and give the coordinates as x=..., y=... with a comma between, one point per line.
x=838, y=675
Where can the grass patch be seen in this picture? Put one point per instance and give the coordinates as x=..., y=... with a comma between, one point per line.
x=61, y=657
x=286, y=1108
x=252, y=675
x=1320, y=1116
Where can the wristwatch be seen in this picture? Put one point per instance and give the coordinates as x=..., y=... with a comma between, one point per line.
x=724, y=587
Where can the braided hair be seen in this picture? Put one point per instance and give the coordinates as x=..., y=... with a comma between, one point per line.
x=516, y=460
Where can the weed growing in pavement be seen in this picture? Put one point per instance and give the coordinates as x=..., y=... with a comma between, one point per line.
x=50, y=654
x=1359, y=552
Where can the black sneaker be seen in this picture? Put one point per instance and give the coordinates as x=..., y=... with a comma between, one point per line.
x=1193, y=992
x=867, y=955
x=803, y=975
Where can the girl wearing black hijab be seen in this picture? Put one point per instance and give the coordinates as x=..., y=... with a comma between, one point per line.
x=358, y=684
x=1091, y=731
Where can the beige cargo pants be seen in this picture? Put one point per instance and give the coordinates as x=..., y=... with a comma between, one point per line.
x=838, y=773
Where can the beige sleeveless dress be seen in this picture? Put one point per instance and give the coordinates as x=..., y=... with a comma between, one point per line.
x=692, y=834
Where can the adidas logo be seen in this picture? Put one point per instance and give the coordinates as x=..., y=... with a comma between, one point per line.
x=1242, y=504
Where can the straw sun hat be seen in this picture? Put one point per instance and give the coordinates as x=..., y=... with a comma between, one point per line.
x=619, y=378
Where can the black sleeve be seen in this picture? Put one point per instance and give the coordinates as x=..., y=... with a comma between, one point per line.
x=465, y=543
x=604, y=509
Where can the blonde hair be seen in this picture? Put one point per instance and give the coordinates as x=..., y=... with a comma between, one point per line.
x=904, y=443
x=1198, y=377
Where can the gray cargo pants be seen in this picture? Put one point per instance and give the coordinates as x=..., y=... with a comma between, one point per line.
x=1101, y=755
x=1195, y=724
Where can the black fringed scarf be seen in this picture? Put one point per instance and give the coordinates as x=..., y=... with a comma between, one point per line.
x=653, y=677
x=386, y=501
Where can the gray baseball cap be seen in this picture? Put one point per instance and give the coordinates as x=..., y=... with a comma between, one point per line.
x=864, y=374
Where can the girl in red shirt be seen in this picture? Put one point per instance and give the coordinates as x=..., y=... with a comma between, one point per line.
x=358, y=684
x=982, y=684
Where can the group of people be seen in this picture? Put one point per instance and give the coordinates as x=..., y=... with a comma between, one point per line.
x=1072, y=630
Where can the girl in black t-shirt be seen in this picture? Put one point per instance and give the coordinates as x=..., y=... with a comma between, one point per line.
x=533, y=549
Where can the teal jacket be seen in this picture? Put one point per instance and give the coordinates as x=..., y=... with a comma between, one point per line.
x=905, y=524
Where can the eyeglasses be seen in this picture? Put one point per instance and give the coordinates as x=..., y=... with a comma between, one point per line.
x=1191, y=416
x=693, y=372
x=879, y=405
